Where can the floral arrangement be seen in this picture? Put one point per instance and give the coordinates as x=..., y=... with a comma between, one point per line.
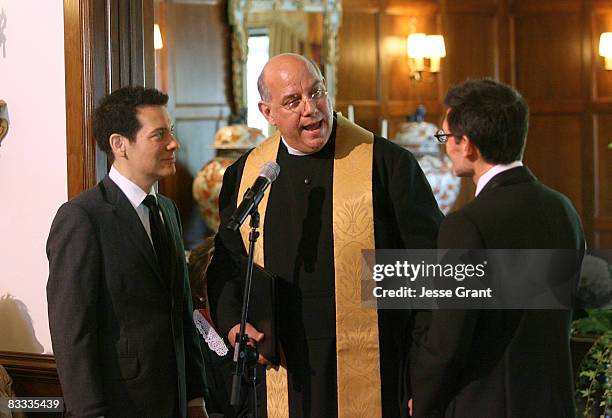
x=594, y=383
x=594, y=380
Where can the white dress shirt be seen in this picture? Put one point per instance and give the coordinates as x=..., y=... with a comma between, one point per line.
x=136, y=196
x=493, y=171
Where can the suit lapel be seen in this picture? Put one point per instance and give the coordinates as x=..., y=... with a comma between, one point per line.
x=173, y=234
x=131, y=224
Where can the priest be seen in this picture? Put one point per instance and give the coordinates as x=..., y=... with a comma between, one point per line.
x=341, y=189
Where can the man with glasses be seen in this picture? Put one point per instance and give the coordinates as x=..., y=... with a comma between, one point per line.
x=498, y=363
x=340, y=189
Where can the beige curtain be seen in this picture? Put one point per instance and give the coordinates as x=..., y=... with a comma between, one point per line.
x=283, y=39
x=288, y=31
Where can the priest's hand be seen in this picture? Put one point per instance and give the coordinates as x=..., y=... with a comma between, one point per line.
x=196, y=412
x=254, y=336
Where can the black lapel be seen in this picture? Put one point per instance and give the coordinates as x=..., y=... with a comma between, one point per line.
x=173, y=233
x=130, y=222
x=513, y=176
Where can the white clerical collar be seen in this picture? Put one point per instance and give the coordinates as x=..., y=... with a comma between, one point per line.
x=132, y=191
x=294, y=151
x=493, y=171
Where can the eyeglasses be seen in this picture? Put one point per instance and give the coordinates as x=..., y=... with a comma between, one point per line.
x=297, y=104
x=442, y=136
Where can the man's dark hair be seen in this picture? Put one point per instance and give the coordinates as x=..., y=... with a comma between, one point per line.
x=493, y=115
x=116, y=114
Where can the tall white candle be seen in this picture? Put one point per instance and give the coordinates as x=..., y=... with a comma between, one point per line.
x=350, y=113
x=383, y=128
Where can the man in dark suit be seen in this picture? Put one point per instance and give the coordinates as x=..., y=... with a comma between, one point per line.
x=120, y=308
x=498, y=363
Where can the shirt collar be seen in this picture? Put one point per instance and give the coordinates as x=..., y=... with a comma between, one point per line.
x=294, y=151
x=492, y=172
x=134, y=193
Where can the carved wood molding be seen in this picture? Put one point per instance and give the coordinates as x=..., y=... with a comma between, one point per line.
x=80, y=145
x=34, y=375
x=41, y=366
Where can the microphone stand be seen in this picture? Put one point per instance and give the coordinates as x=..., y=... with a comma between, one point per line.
x=245, y=356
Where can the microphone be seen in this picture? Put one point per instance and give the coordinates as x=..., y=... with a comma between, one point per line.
x=252, y=197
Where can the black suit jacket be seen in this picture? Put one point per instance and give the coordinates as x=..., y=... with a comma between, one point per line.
x=123, y=335
x=510, y=363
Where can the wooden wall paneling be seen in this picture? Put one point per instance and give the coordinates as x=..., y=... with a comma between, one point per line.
x=196, y=39
x=136, y=44
x=113, y=59
x=542, y=7
x=198, y=66
x=554, y=153
x=603, y=166
x=504, y=51
x=146, y=36
x=404, y=107
x=470, y=7
x=358, y=65
x=364, y=6
x=601, y=21
x=603, y=232
x=548, y=51
x=471, y=46
x=129, y=43
x=122, y=16
x=589, y=126
x=100, y=52
x=604, y=239
x=419, y=8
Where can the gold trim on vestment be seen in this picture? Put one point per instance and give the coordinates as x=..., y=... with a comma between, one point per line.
x=357, y=351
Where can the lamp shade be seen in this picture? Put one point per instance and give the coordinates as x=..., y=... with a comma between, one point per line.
x=605, y=44
x=157, y=38
x=417, y=45
x=435, y=46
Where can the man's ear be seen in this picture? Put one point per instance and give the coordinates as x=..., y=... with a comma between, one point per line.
x=266, y=111
x=470, y=151
x=118, y=145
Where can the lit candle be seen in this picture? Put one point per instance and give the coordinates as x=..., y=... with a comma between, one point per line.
x=383, y=128
x=350, y=112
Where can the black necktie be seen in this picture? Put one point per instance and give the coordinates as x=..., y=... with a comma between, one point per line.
x=158, y=234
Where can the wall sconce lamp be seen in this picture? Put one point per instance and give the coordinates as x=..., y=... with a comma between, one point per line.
x=421, y=46
x=605, y=48
x=158, y=43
